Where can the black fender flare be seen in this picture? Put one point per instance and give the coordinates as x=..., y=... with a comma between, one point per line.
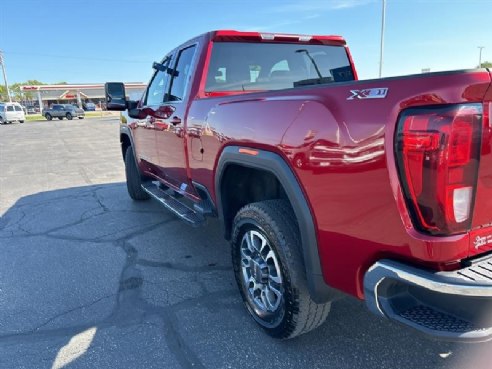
x=269, y=161
x=126, y=131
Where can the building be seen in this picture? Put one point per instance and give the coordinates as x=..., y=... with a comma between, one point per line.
x=45, y=95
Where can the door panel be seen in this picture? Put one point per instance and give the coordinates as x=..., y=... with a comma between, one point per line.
x=144, y=127
x=170, y=125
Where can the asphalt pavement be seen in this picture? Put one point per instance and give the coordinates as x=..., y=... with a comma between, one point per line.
x=91, y=279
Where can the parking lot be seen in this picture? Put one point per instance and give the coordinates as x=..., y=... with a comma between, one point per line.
x=90, y=279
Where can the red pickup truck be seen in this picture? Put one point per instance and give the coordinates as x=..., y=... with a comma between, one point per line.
x=381, y=189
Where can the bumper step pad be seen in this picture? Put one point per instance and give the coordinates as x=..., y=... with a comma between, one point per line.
x=448, y=305
x=435, y=320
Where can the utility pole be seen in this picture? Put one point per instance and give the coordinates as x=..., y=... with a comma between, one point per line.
x=480, y=56
x=382, y=40
x=5, y=75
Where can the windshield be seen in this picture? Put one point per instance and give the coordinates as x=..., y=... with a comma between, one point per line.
x=236, y=66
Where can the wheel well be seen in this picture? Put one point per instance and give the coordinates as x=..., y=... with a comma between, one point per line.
x=242, y=185
x=125, y=144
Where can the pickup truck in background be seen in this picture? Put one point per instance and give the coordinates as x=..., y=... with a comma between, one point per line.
x=61, y=111
x=380, y=189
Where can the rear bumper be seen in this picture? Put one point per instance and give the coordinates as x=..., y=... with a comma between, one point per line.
x=454, y=306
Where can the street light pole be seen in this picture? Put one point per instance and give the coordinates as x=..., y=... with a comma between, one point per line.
x=382, y=40
x=480, y=56
x=5, y=75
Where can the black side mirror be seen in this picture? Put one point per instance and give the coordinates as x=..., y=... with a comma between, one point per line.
x=115, y=96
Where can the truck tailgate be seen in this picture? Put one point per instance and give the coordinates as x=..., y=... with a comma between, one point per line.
x=481, y=235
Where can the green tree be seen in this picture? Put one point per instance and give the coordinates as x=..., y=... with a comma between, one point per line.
x=3, y=93
x=486, y=64
x=15, y=89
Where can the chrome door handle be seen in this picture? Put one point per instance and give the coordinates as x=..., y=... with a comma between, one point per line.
x=175, y=120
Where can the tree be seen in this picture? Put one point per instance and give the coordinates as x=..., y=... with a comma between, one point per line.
x=18, y=94
x=3, y=93
x=486, y=64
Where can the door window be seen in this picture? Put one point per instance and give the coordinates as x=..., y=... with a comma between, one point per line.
x=157, y=88
x=10, y=108
x=181, y=74
x=18, y=108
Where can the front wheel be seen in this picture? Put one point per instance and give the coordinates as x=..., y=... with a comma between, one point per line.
x=48, y=116
x=69, y=116
x=269, y=270
x=133, y=177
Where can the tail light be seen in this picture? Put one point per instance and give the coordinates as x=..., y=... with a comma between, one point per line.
x=437, y=153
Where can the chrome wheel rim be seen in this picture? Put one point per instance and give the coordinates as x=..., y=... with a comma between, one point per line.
x=261, y=275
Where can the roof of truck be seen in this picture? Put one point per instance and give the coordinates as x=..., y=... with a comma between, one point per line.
x=232, y=35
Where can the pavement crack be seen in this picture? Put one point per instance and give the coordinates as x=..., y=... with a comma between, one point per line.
x=71, y=311
x=182, y=267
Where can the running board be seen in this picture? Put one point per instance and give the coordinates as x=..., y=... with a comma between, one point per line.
x=175, y=205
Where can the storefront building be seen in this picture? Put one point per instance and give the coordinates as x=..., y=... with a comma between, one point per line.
x=80, y=94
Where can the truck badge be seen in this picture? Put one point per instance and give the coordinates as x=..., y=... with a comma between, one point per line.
x=369, y=93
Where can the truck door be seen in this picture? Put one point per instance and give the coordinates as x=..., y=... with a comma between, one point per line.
x=144, y=127
x=170, y=123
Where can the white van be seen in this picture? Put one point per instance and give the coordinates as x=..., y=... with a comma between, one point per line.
x=10, y=112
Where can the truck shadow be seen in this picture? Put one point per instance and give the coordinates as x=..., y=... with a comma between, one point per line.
x=89, y=278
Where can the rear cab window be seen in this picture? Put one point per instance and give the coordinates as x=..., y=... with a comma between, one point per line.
x=246, y=66
x=17, y=108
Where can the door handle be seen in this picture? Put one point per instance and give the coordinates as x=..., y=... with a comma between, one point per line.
x=175, y=120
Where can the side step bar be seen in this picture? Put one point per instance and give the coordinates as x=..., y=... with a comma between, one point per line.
x=189, y=214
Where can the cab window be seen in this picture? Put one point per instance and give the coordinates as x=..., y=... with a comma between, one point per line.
x=10, y=108
x=181, y=74
x=156, y=92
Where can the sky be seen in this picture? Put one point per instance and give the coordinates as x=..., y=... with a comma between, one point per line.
x=117, y=40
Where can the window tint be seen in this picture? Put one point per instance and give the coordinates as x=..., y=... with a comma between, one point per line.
x=17, y=108
x=241, y=66
x=10, y=108
x=156, y=91
x=181, y=74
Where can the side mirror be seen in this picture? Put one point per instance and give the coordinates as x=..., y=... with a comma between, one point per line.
x=115, y=96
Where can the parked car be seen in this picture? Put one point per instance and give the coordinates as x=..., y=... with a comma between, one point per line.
x=61, y=111
x=90, y=106
x=31, y=109
x=10, y=112
x=380, y=189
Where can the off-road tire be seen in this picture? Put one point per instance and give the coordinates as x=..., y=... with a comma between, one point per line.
x=133, y=177
x=69, y=116
x=297, y=313
x=48, y=116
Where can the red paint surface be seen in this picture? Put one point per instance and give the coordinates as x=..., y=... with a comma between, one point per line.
x=341, y=152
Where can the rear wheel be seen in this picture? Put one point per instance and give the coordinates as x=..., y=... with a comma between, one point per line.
x=69, y=116
x=48, y=116
x=269, y=270
x=133, y=177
